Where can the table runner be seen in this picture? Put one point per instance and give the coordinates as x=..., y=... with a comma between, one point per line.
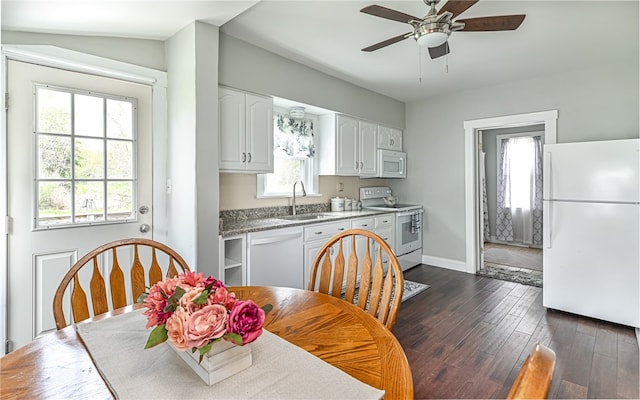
x=280, y=369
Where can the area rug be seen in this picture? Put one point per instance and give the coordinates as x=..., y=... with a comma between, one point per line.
x=411, y=289
x=512, y=274
x=513, y=256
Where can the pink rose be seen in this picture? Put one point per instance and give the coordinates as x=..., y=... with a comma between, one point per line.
x=246, y=319
x=206, y=324
x=176, y=325
x=231, y=300
x=218, y=295
x=222, y=296
x=186, y=300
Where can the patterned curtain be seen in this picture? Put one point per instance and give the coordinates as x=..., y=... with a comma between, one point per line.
x=504, y=223
x=485, y=203
x=293, y=137
x=537, y=189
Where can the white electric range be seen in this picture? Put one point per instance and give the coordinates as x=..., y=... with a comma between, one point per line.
x=408, y=225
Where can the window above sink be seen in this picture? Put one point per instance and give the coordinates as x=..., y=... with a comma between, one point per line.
x=294, y=150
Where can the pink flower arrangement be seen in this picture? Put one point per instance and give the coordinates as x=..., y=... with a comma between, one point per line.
x=195, y=312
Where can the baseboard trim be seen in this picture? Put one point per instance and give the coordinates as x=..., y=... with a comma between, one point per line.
x=447, y=263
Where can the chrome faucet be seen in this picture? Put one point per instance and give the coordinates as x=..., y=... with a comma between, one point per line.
x=304, y=193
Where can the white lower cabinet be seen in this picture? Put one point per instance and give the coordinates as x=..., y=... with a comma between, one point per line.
x=233, y=260
x=383, y=226
x=274, y=257
x=315, y=236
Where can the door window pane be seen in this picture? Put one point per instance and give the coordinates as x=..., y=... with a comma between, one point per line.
x=54, y=157
x=89, y=201
x=119, y=200
x=54, y=111
x=119, y=119
x=84, y=176
x=54, y=203
x=88, y=115
x=89, y=158
x=119, y=159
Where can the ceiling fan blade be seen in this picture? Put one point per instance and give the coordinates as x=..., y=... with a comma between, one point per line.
x=497, y=23
x=439, y=51
x=457, y=7
x=384, y=12
x=387, y=42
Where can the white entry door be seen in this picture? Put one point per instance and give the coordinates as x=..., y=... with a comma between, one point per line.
x=75, y=181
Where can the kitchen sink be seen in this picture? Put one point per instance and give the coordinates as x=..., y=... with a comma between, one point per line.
x=305, y=217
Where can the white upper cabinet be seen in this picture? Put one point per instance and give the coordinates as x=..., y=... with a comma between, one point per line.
x=245, y=131
x=367, y=148
x=346, y=136
x=389, y=138
x=347, y=146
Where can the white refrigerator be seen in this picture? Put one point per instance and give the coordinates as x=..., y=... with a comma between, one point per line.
x=591, y=251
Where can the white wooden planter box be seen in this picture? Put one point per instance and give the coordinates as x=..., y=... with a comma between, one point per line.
x=222, y=361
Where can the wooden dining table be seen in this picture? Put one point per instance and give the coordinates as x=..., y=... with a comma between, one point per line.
x=58, y=365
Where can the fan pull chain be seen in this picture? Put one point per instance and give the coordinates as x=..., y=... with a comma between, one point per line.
x=419, y=65
x=446, y=63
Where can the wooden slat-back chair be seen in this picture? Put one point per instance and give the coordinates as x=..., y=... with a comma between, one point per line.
x=118, y=292
x=384, y=292
x=534, y=379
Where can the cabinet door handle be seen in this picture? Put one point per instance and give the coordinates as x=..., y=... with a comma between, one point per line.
x=249, y=160
x=340, y=229
x=361, y=165
x=365, y=225
x=391, y=142
x=244, y=157
x=318, y=233
x=356, y=165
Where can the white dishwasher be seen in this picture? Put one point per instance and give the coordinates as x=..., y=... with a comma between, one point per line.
x=274, y=258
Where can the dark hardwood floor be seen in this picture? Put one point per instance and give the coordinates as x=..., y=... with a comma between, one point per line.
x=467, y=337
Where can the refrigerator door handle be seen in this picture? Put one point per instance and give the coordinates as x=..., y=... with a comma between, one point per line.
x=546, y=224
x=546, y=182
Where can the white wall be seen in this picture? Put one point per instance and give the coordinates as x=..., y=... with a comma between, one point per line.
x=593, y=104
x=253, y=69
x=207, y=177
x=192, y=60
x=181, y=118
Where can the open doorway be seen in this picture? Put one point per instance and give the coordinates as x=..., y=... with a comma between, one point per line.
x=511, y=173
x=473, y=183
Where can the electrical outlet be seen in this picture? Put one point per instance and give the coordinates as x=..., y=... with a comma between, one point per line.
x=340, y=187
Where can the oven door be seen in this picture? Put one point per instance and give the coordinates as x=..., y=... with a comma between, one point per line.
x=408, y=231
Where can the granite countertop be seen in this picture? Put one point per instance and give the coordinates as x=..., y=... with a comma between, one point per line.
x=240, y=226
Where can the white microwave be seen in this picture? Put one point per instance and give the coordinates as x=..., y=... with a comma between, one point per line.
x=392, y=164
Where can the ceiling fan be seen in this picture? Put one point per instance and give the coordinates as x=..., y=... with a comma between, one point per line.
x=434, y=29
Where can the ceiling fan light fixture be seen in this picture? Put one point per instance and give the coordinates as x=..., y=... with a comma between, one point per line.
x=296, y=112
x=432, y=39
